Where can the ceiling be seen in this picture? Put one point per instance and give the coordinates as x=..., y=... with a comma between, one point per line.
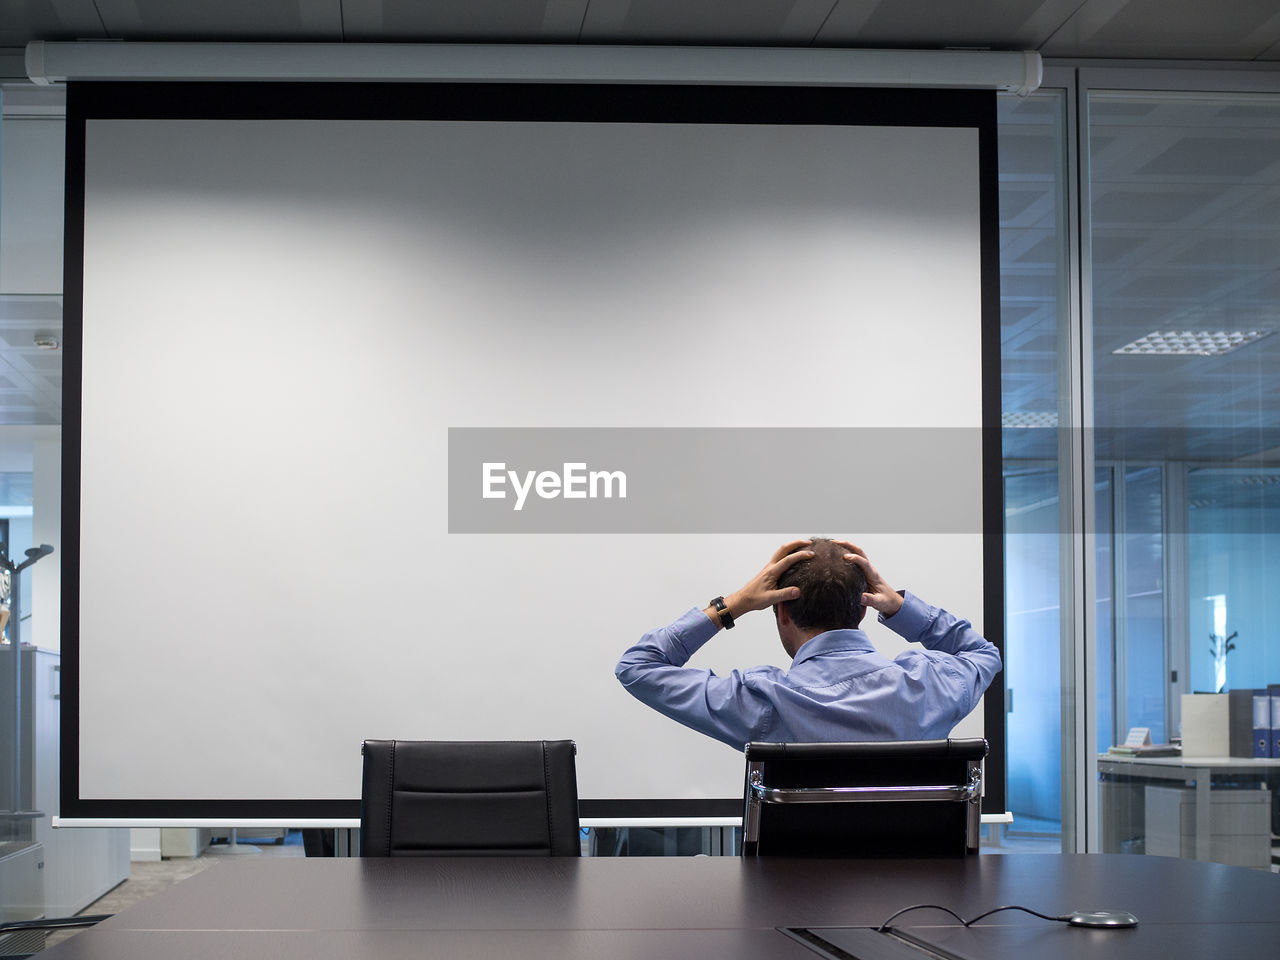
x=1174, y=29
x=1181, y=197
x=1183, y=220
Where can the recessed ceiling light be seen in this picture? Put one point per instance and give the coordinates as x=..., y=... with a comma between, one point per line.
x=1191, y=343
x=1029, y=418
x=1256, y=479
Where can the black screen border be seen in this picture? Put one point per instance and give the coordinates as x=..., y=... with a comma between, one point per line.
x=547, y=102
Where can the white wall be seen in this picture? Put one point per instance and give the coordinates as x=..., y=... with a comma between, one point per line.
x=144, y=844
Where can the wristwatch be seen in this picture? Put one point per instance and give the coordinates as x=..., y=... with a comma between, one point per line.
x=722, y=612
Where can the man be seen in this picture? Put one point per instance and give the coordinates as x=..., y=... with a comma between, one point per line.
x=839, y=687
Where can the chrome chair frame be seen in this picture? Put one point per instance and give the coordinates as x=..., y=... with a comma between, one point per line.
x=760, y=795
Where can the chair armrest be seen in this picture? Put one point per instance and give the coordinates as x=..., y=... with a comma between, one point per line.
x=958, y=792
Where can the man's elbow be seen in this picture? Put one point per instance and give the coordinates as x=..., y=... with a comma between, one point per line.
x=628, y=670
x=987, y=668
x=996, y=664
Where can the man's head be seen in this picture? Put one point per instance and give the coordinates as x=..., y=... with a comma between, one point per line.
x=831, y=590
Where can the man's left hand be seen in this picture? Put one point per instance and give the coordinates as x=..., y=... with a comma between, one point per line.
x=879, y=596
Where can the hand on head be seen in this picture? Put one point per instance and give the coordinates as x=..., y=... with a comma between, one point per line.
x=879, y=596
x=761, y=591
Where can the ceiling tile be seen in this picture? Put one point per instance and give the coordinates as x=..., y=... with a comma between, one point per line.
x=1232, y=251
x=224, y=20
x=42, y=361
x=1186, y=29
x=474, y=20
x=23, y=337
x=1113, y=109
x=1127, y=320
x=1042, y=343
x=1269, y=291
x=1166, y=286
x=24, y=20
x=1014, y=202
x=1042, y=108
x=1267, y=113
x=1138, y=207
x=1041, y=286
x=1107, y=250
x=1214, y=157
x=1026, y=155
x=1000, y=24
x=31, y=308
x=1013, y=314
x=752, y=22
x=1046, y=251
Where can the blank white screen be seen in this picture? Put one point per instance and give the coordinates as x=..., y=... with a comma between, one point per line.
x=282, y=319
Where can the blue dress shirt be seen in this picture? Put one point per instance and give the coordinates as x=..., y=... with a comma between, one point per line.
x=839, y=686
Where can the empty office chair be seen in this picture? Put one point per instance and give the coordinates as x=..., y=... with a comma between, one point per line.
x=902, y=799
x=427, y=798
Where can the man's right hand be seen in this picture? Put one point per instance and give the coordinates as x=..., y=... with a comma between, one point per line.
x=879, y=596
x=761, y=591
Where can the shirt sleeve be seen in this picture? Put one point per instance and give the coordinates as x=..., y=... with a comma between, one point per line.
x=654, y=672
x=971, y=659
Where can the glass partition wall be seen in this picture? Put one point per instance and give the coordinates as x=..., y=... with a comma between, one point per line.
x=1140, y=293
x=1035, y=401
x=1184, y=200
x=1183, y=219
x=1181, y=212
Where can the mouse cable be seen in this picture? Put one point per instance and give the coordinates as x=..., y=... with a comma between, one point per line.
x=935, y=906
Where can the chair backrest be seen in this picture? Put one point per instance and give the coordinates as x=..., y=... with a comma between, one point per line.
x=916, y=798
x=435, y=798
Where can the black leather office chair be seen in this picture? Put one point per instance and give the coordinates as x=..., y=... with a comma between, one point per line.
x=902, y=799
x=427, y=798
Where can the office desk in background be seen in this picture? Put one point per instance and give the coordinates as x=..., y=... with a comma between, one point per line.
x=1124, y=780
x=675, y=907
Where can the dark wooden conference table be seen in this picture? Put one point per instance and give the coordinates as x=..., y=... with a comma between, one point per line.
x=696, y=907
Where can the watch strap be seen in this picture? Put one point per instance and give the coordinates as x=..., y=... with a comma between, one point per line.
x=722, y=611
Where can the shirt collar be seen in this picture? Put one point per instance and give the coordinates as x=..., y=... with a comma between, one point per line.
x=834, y=641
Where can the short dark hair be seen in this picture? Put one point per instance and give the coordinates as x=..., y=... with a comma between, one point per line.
x=831, y=589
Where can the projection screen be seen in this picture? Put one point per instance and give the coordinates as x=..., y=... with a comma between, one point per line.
x=400, y=411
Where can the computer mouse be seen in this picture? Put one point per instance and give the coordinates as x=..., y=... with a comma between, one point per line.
x=1102, y=918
